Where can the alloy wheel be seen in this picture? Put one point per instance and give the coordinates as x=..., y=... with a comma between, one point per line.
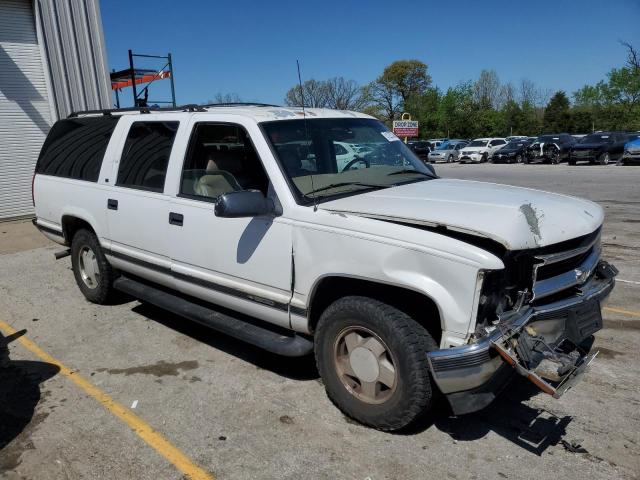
x=365, y=365
x=88, y=265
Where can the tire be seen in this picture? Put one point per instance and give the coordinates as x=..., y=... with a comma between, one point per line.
x=604, y=159
x=94, y=274
x=404, y=345
x=518, y=158
x=450, y=159
x=484, y=158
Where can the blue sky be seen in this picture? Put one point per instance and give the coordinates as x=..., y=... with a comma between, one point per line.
x=250, y=47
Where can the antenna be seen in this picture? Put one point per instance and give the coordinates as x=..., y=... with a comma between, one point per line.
x=306, y=134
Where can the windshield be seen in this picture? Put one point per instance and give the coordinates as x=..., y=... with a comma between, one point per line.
x=596, y=138
x=514, y=145
x=306, y=151
x=478, y=143
x=446, y=146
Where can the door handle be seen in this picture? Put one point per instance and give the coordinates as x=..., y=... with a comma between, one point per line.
x=176, y=218
x=112, y=204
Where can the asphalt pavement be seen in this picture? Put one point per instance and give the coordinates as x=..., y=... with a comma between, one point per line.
x=130, y=391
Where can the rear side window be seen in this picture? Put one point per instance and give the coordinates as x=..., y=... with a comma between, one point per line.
x=146, y=155
x=75, y=148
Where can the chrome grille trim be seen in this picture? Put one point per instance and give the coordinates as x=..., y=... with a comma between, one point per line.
x=571, y=278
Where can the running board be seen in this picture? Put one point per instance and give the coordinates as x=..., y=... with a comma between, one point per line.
x=287, y=345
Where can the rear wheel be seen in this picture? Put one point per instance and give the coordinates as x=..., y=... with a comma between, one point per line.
x=450, y=159
x=373, y=360
x=518, y=158
x=94, y=274
x=604, y=159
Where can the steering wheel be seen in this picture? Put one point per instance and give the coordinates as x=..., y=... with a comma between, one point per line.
x=356, y=160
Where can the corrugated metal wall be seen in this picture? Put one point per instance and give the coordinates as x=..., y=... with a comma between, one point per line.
x=25, y=109
x=76, y=58
x=52, y=62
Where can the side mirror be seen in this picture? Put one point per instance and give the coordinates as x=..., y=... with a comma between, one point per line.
x=243, y=203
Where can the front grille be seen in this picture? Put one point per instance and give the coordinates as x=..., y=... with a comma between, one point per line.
x=554, y=269
x=561, y=271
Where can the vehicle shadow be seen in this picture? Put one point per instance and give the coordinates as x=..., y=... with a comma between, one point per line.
x=19, y=395
x=533, y=429
x=303, y=368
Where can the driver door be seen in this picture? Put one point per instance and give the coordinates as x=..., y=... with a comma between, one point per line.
x=240, y=263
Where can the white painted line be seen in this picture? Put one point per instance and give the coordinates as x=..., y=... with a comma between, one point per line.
x=627, y=281
x=134, y=404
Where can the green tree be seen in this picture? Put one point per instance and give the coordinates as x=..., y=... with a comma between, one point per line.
x=398, y=82
x=557, y=117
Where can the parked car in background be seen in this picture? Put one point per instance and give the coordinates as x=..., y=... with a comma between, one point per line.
x=550, y=148
x=516, y=137
x=421, y=148
x=448, y=152
x=631, y=152
x=513, y=152
x=436, y=142
x=601, y=147
x=480, y=149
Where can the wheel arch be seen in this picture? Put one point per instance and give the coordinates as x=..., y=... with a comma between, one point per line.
x=71, y=223
x=418, y=305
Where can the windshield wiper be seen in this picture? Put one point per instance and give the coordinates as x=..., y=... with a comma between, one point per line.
x=344, y=184
x=409, y=170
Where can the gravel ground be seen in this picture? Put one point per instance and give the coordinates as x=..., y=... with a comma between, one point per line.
x=241, y=413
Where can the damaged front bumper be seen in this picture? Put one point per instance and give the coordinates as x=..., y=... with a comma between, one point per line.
x=549, y=344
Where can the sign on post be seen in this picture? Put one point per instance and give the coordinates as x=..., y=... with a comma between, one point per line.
x=405, y=128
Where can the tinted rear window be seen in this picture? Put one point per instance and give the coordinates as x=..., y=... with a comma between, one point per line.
x=75, y=148
x=146, y=155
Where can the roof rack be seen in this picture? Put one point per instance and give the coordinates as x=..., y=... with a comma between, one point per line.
x=191, y=107
x=239, y=104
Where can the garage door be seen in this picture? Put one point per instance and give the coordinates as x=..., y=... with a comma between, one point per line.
x=24, y=106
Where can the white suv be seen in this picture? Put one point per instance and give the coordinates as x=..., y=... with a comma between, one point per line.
x=242, y=218
x=481, y=149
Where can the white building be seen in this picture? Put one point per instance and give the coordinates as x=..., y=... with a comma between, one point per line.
x=52, y=62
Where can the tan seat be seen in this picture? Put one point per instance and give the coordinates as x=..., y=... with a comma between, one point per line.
x=216, y=183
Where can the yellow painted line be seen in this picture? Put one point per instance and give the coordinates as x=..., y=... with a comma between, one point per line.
x=141, y=428
x=623, y=312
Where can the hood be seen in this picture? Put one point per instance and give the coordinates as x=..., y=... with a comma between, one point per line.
x=473, y=149
x=518, y=218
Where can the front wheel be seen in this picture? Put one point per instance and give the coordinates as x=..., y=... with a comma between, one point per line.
x=93, y=272
x=373, y=360
x=450, y=159
x=518, y=158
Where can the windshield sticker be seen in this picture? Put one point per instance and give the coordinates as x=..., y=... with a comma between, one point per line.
x=390, y=136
